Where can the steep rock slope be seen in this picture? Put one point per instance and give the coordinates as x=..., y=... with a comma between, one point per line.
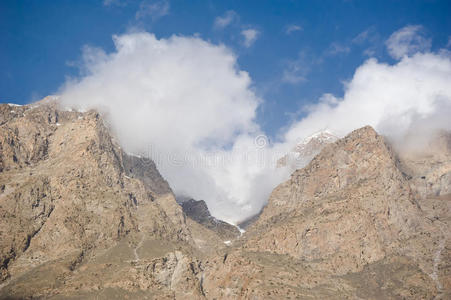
x=68, y=193
x=82, y=219
x=350, y=206
x=347, y=225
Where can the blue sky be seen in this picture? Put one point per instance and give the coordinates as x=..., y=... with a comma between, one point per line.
x=302, y=49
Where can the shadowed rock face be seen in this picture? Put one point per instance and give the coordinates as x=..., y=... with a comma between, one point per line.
x=245, y=224
x=80, y=218
x=198, y=211
x=145, y=170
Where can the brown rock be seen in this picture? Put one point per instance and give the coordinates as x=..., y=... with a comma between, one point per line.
x=80, y=218
x=69, y=192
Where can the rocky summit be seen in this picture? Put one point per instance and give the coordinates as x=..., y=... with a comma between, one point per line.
x=83, y=219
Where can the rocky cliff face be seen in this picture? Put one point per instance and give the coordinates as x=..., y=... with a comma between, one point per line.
x=80, y=218
x=197, y=210
x=351, y=207
x=348, y=225
x=68, y=192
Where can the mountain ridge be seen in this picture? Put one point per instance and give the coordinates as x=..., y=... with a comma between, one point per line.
x=82, y=218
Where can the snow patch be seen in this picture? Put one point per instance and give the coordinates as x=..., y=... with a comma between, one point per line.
x=322, y=135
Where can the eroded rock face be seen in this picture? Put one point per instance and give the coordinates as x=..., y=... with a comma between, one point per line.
x=350, y=207
x=81, y=218
x=348, y=226
x=68, y=190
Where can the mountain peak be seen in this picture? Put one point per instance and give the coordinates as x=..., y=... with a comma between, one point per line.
x=304, y=151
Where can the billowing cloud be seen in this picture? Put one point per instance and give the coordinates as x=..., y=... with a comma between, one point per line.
x=394, y=99
x=225, y=20
x=250, y=36
x=185, y=103
x=407, y=41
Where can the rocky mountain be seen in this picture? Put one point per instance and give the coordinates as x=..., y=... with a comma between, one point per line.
x=197, y=210
x=348, y=225
x=304, y=151
x=70, y=196
x=81, y=218
x=353, y=207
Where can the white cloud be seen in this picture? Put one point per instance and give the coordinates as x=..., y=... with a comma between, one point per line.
x=368, y=35
x=152, y=9
x=292, y=28
x=370, y=41
x=361, y=37
x=393, y=99
x=225, y=20
x=407, y=41
x=370, y=52
x=182, y=101
x=250, y=36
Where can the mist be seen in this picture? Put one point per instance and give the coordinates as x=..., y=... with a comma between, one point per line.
x=185, y=103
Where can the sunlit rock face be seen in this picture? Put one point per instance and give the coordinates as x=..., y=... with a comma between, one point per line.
x=81, y=218
x=68, y=191
x=351, y=206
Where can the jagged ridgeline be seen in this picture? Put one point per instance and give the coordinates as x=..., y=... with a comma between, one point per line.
x=80, y=218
